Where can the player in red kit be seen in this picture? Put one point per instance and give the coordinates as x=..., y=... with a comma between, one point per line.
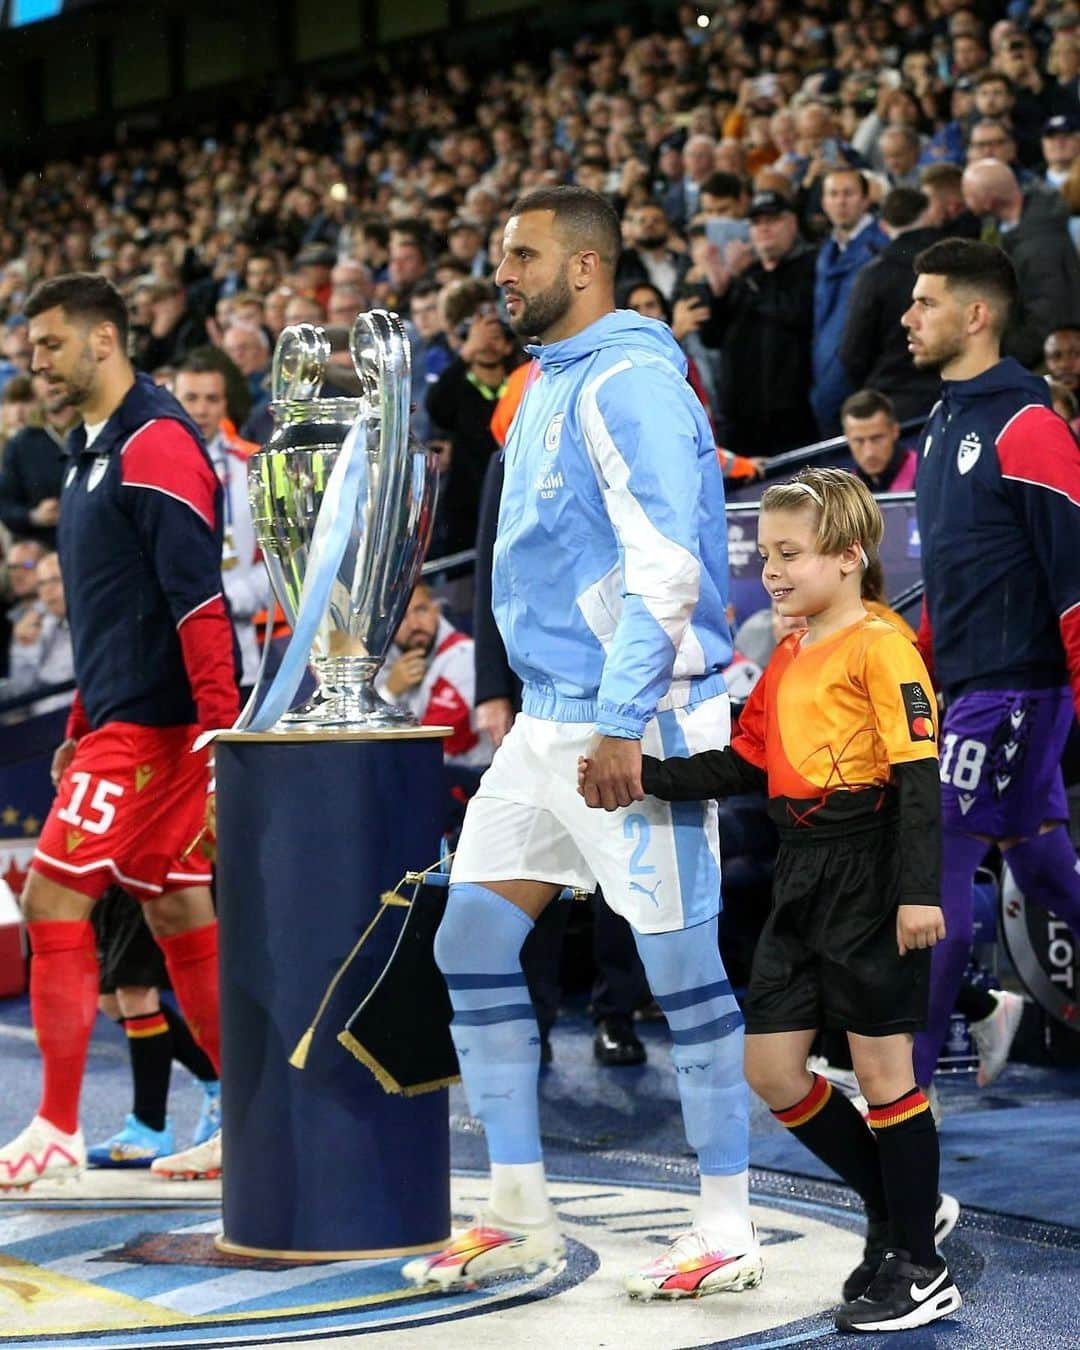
x=140, y=546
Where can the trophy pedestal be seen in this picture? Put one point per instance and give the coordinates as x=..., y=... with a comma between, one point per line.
x=320, y=1164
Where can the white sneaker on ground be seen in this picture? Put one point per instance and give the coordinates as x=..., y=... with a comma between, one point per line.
x=693, y=1266
x=995, y=1033
x=41, y=1152
x=491, y=1247
x=201, y=1162
x=945, y=1217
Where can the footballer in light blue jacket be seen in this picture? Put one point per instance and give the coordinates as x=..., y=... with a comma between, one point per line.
x=610, y=569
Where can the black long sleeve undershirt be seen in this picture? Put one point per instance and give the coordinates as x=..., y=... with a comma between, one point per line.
x=713, y=773
x=918, y=788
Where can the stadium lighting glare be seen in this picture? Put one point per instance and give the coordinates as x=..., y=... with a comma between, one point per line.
x=703, y=21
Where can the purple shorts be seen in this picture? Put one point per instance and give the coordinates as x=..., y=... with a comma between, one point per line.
x=1001, y=761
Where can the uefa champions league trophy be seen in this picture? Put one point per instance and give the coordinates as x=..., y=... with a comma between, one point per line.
x=341, y=478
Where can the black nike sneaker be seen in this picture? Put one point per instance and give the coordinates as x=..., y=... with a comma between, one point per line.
x=877, y=1244
x=901, y=1296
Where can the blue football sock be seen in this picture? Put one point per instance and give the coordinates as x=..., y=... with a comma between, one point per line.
x=478, y=948
x=687, y=977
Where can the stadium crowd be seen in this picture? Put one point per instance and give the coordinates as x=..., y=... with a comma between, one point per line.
x=775, y=167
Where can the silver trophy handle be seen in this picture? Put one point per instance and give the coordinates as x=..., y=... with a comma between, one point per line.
x=300, y=358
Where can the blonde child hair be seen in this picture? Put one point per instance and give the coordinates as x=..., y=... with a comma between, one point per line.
x=847, y=515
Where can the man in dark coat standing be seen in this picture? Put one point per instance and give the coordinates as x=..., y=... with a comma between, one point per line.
x=761, y=299
x=874, y=346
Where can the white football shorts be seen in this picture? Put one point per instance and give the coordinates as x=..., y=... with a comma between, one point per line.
x=658, y=863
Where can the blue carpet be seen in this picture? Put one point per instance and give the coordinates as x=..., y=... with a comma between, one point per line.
x=1008, y=1153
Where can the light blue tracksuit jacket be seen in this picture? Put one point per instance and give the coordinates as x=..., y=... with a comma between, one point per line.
x=610, y=567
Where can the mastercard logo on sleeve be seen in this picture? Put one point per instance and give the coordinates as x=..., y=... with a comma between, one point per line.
x=919, y=710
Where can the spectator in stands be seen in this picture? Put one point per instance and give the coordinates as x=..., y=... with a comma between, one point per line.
x=873, y=436
x=14, y=349
x=900, y=150
x=820, y=149
x=1034, y=232
x=261, y=273
x=175, y=328
x=873, y=348
x=466, y=242
x=1037, y=96
x=943, y=185
x=1061, y=352
x=17, y=406
x=650, y=256
x=407, y=266
x=993, y=139
x=200, y=388
x=248, y=348
x=432, y=345
x=41, y=651
x=1060, y=147
x=856, y=237
x=461, y=403
x=681, y=201
x=31, y=477
x=761, y=318
x=21, y=562
x=346, y=302
x=429, y=670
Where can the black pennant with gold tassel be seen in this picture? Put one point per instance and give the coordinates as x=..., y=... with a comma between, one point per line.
x=397, y=1026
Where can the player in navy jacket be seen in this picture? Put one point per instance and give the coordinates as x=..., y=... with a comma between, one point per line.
x=140, y=547
x=998, y=501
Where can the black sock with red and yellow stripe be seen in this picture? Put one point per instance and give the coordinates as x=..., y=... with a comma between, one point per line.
x=150, y=1049
x=832, y=1129
x=910, y=1161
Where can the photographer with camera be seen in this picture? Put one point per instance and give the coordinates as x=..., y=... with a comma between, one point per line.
x=460, y=405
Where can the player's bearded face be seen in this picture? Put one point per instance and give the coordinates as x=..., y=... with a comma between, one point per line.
x=542, y=310
x=936, y=324
x=70, y=382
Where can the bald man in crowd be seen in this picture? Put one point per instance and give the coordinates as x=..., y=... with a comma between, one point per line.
x=1032, y=226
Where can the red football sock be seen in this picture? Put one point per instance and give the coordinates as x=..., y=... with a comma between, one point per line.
x=191, y=959
x=63, y=1005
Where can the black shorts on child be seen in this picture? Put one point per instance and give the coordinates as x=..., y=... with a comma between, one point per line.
x=827, y=956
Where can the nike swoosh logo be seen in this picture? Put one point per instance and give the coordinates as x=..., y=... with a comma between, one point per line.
x=921, y=1295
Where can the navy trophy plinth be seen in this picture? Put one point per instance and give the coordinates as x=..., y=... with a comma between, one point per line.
x=320, y=1164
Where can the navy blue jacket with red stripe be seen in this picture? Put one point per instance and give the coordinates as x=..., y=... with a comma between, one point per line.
x=998, y=503
x=140, y=541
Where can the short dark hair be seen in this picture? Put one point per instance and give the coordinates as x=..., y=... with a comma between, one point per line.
x=868, y=403
x=85, y=296
x=994, y=77
x=723, y=184
x=903, y=206
x=581, y=214
x=969, y=264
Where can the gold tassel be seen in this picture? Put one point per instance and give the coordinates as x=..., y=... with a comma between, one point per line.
x=298, y=1058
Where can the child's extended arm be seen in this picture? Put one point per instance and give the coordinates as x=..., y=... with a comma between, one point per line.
x=713, y=773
